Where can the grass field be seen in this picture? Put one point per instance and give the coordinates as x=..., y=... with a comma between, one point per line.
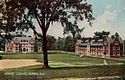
x=63, y=58
x=67, y=65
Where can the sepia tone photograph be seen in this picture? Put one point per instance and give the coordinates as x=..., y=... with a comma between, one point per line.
x=62, y=39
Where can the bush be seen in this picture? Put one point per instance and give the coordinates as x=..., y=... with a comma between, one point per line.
x=1, y=57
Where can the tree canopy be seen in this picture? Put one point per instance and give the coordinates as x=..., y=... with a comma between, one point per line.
x=20, y=14
x=101, y=34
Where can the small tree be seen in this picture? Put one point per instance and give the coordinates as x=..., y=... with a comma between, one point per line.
x=51, y=42
x=45, y=12
x=69, y=44
x=60, y=43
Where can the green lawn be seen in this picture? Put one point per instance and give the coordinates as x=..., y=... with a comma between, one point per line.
x=67, y=65
x=62, y=58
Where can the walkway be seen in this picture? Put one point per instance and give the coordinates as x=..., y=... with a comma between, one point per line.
x=15, y=63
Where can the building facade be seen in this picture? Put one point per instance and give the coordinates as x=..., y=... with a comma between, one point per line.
x=21, y=44
x=106, y=46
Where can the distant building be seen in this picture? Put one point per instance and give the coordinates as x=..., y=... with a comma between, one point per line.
x=21, y=44
x=108, y=46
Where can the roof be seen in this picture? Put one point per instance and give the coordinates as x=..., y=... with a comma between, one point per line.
x=120, y=39
x=23, y=38
x=110, y=40
x=93, y=42
x=98, y=42
x=79, y=41
x=83, y=45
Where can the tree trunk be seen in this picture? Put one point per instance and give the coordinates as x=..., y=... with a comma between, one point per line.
x=45, y=53
x=73, y=42
x=36, y=44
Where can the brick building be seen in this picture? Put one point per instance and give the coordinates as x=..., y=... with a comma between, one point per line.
x=21, y=44
x=108, y=46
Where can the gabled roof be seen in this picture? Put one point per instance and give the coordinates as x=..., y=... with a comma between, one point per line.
x=110, y=40
x=98, y=42
x=120, y=40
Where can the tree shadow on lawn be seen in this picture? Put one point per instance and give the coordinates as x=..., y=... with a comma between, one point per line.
x=86, y=71
x=99, y=69
x=77, y=71
x=87, y=67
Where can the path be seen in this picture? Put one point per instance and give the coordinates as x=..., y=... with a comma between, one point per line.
x=14, y=63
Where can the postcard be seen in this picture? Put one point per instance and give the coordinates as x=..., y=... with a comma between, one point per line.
x=62, y=40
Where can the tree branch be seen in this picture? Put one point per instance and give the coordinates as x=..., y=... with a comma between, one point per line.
x=31, y=26
x=36, y=32
x=56, y=6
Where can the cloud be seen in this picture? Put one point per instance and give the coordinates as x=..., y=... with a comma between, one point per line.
x=106, y=17
x=123, y=8
x=109, y=6
x=103, y=22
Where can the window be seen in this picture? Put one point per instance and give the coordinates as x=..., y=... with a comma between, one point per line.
x=24, y=49
x=114, y=53
x=16, y=48
x=27, y=50
x=32, y=48
x=118, y=48
x=106, y=48
x=116, y=43
x=114, y=48
x=39, y=48
x=118, y=53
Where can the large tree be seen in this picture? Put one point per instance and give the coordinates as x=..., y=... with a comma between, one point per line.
x=45, y=12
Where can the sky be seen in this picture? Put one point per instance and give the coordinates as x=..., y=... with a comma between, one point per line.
x=109, y=15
